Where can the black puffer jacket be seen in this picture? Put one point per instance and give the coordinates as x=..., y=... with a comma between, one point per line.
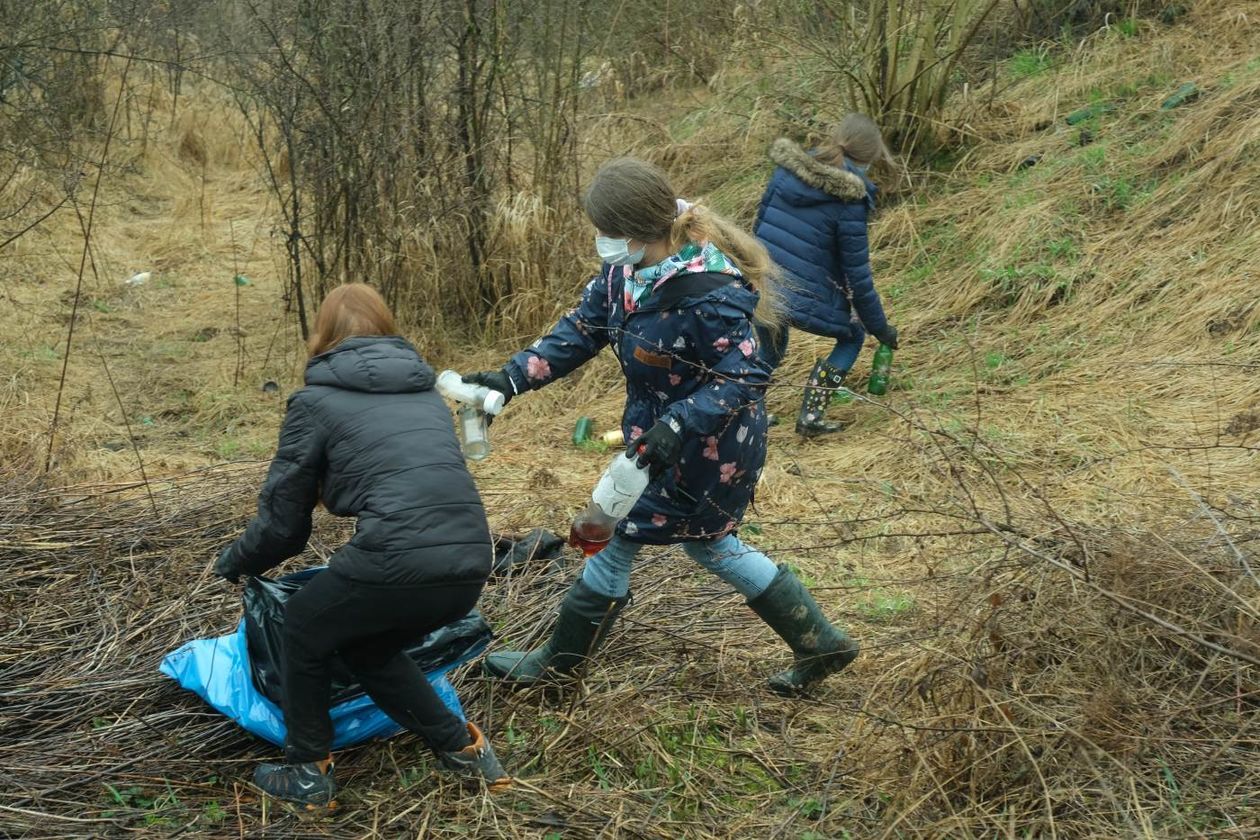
x=371, y=437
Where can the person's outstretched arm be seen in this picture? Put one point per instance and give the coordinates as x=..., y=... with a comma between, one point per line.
x=283, y=522
x=576, y=339
x=853, y=250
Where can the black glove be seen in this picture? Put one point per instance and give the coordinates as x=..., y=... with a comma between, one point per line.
x=889, y=337
x=226, y=567
x=495, y=380
x=658, y=448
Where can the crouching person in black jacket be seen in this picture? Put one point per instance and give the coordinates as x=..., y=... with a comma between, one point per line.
x=370, y=438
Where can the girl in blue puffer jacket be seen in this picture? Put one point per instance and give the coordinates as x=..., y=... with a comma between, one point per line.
x=812, y=219
x=675, y=300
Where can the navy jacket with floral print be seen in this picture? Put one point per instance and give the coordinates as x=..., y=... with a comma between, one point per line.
x=689, y=354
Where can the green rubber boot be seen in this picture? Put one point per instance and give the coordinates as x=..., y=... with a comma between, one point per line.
x=812, y=420
x=819, y=648
x=585, y=619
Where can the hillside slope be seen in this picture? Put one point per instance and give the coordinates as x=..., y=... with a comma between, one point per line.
x=1043, y=536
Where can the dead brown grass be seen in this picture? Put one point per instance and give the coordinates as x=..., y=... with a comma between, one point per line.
x=1044, y=537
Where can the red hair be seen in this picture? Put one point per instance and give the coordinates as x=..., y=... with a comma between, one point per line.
x=349, y=310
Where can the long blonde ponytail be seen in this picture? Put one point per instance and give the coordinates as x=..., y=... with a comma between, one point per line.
x=633, y=198
x=858, y=138
x=699, y=224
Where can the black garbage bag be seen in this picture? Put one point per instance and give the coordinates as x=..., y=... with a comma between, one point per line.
x=264, y=623
x=538, y=544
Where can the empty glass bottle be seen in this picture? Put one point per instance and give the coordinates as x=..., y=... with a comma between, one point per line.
x=475, y=403
x=583, y=430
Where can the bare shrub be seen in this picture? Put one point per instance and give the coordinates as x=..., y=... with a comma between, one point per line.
x=895, y=61
x=411, y=154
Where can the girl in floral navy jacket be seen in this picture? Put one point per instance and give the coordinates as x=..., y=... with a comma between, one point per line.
x=676, y=299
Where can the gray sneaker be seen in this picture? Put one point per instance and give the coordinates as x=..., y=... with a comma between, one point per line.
x=310, y=785
x=476, y=762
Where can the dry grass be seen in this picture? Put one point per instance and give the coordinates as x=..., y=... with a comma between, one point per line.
x=182, y=202
x=1011, y=683
x=1044, y=536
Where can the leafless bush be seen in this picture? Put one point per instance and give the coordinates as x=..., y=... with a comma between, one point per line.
x=419, y=146
x=55, y=79
x=49, y=91
x=896, y=61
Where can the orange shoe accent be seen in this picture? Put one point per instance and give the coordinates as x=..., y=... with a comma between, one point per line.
x=318, y=810
x=478, y=739
x=478, y=744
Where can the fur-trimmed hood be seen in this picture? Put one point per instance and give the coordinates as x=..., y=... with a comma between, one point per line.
x=836, y=181
x=812, y=219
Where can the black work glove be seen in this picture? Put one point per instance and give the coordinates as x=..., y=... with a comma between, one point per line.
x=889, y=337
x=226, y=567
x=495, y=380
x=658, y=448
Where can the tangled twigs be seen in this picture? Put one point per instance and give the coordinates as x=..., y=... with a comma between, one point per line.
x=997, y=687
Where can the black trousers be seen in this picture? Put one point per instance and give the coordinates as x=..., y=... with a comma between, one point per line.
x=367, y=626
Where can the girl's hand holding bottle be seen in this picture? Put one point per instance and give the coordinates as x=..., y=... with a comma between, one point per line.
x=658, y=448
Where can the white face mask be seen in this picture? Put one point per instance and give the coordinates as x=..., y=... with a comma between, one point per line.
x=617, y=251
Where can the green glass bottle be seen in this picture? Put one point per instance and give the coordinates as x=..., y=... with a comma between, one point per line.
x=583, y=430
x=881, y=371
x=1186, y=93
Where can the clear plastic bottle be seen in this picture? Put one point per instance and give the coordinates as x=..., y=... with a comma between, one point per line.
x=452, y=386
x=615, y=495
x=475, y=402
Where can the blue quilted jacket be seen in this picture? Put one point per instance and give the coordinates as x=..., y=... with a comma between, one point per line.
x=812, y=219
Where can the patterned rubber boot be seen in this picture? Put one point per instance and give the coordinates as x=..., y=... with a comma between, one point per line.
x=309, y=785
x=823, y=381
x=476, y=763
x=819, y=649
x=585, y=619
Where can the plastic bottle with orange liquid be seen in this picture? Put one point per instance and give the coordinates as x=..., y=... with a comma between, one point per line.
x=615, y=495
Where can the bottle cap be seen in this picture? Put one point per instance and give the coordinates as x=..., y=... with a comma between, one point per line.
x=493, y=402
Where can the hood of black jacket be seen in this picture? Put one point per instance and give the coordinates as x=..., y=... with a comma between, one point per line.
x=374, y=364
x=817, y=182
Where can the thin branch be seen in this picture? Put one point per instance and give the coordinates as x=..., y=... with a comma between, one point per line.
x=37, y=222
x=78, y=287
x=109, y=376
x=1220, y=529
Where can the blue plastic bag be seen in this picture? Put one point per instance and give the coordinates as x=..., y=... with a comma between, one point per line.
x=219, y=671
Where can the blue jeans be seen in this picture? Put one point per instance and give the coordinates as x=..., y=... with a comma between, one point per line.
x=842, y=356
x=743, y=567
